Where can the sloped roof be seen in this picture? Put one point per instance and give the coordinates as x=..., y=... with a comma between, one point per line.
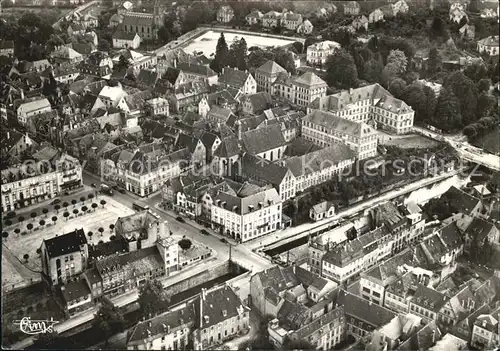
x=219, y=305
x=263, y=139
x=242, y=205
x=259, y=101
x=429, y=299
x=200, y=70
x=262, y=169
x=318, y=160
x=339, y=124
x=229, y=147
x=309, y=79
x=360, y=308
x=233, y=77
x=66, y=243
x=138, y=19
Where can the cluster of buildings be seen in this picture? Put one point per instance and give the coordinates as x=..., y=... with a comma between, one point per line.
x=81, y=272
x=389, y=280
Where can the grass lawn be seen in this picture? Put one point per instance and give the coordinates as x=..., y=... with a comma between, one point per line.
x=490, y=142
x=410, y=141
x=28, y=243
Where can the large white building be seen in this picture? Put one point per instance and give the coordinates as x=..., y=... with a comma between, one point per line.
x=489, y=45
x=249, y=217
x=371, y=103
x=23, y=186
x=326, y=129
x=144, y=173
x=318, y=53
x=32, y=108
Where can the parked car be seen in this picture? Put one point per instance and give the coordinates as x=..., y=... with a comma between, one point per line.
x=180, y=219
x=55, y=202
x=204, y=232
x=223, y=240
x=121, y=190
x=115, y=187
x=94, y=185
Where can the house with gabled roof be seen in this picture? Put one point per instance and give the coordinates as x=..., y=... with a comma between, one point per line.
x=192, y=71
x=271, y=19
x=242, y=80
x=267, y=142
x=170, y=330
x=254, y=17
x=195, y=146
x=291, y=20
x=256, y=103
x=220, y=308
x=352, y=8
x=360, y=22
x=481, y=231
x=263, y=172
x=225, y=14
x=64, y=257
x=226, y=154
x=324, y=209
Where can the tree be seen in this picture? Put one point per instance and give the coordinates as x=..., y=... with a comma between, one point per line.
x=447, y=115
x=73, y=202
x=434, y=61
x=483, y=85
x=104, y=45
x=103, y=202
x=8, y=222
x=111, y=227
x=85, y=209
x=94, y=205
x=17, y=230
x=397, y=87
x=221, y=55
x=153, y=298
x=65, y=204
x=42, y=223
x=396, y=64
x=66, y=215
x=90, y=235
x=45, y=211
x=5, y=235
x=466, y=93
x=20, y=219
x=108, y=320
x=33, y=215
x=485, y=105
x=341, y=70
x=57, y=208
x=75, y=212
x=82, y=199
x=26, y=256
x=438, y=28
x=476, y=72
x=299, y=48
x=237, y=54
x=29, y=226
x=122, y=64
x=52, y=341
x=54, y=219
x=284, y=58
x=185, y=244
x=90, y=196
x=100, y=230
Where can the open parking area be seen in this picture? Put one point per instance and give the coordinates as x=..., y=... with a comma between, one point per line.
x=31, y=240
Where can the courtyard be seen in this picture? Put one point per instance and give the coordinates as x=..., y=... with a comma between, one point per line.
x=207, y=42
x=17, y=245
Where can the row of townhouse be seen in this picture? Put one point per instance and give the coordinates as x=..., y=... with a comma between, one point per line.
x=145, y=172
x=52, y=173
x=207, y=321
x=339, y=259
x=301, y=90
x=370, y=103
x=82, y=272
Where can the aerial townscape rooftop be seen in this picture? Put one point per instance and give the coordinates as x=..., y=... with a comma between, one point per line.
x=250, y=175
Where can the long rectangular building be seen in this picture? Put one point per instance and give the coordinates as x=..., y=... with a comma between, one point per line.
x=369, y=103
x=326, y=129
